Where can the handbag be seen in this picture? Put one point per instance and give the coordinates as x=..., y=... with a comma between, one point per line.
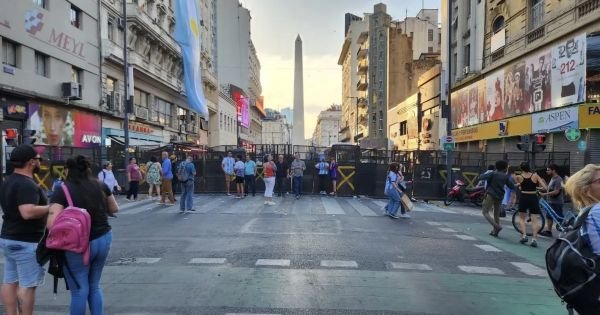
x=405, y=200
x=43, y=253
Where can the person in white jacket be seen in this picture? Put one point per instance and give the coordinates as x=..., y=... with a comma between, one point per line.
x=107, y=177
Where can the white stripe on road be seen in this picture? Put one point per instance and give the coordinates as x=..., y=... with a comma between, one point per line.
x=273, y=262
x=408, y=266
x=465, y=237
x=434, y=208
x=249, y=314
x=488, y=248
x=530, y=269
x=449, y=230
x=433, y=223
x=207, y=261
x=138, y=260
x=331, y=206
x=481, y=270
x=361, y=208
x=339, y=263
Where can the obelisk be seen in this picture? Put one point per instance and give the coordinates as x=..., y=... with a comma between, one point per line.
x=298, y=126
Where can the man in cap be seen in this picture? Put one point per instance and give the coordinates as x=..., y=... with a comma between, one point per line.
x=25, y=208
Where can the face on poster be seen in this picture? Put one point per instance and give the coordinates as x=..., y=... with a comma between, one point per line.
x=514, y=86
x=57, y=126
x=494, y=92
x=538, y=78
x=569, y=71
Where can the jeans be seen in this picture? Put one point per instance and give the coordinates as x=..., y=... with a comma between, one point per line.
x=167, y=187
x=250, y=182
x=134, y=186
x=187, y=196
x=269, y=185
x=297, y=185
x=491, y=203
x=20, y=264
x=280, y=185
x=394, y=203
x=323, y=178
x=88, y=277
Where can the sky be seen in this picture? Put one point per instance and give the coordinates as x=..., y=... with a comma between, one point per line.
x=320, y=23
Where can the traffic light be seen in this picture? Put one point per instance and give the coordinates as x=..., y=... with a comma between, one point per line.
x=523, y=145
x=10, y=136
x=538, y=145
x=28, y=136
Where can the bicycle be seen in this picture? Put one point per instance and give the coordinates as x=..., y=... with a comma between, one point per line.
x=562, y=221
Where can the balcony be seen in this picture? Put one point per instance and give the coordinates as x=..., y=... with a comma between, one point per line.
x=362, y=102
x=150, y=26
x=362, y=84
x=363, y=66
x=362, y=53
x=587, y=7
x=362, y=37
x=536, y=34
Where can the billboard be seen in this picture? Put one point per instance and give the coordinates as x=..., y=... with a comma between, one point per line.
x=59, y=126
x=242, y=103
x=549, y=78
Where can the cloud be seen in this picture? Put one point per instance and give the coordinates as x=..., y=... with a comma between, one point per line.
x=322, y=84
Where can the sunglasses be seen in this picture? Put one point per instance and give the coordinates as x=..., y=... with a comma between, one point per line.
x=39, y=158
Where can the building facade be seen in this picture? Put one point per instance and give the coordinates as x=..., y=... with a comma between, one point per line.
x=327, y=130
x=424, y=25
x=275, y=128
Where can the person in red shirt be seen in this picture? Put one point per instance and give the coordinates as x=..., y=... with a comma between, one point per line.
x=269, y=177
x=134, y=175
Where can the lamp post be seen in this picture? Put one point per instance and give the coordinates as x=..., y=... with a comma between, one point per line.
x=449, y=98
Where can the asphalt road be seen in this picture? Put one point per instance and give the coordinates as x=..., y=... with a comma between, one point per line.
x=316, y=255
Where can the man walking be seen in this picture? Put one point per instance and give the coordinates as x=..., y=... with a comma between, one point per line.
x=556, y=197
x=227, y=167
x=188, y=170
x=297, y=169
x=167, y=179
x=250, y=175
x=281, y=176
x=24, y=206
x=494, y=193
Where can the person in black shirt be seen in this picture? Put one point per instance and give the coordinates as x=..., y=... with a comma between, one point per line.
x=90, y=194
x=494, y=192
x=281, y=176
x=24, y=207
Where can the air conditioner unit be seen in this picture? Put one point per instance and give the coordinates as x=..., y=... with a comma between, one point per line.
x=121, y=23
x=466, y=70
x=141, y=113
x=71, y=90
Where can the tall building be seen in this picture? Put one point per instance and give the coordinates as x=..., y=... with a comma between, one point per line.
x=424, y=25
x=327, y=130
x=537, y=79
x=275, y=128
x=288, y=112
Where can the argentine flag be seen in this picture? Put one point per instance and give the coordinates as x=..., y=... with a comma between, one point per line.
x=187, y=35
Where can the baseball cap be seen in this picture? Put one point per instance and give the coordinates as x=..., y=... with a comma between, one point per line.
x=23, y=153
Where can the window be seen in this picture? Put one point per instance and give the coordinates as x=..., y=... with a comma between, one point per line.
x=467, y=55
x=430, y=49
x=140, y=98
x=76, y=75
x=404, y=128
x=75, y=16
x=411, y=34
x=429, y=35
x=40, y=3
x=111, y=29
x=498, y=24
x=164, y=112
x=110, y=84
x=468, y=9
x=537, y=14
x=41, y=64
x=9, y=53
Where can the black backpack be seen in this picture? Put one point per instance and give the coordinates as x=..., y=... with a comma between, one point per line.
x=574, y=269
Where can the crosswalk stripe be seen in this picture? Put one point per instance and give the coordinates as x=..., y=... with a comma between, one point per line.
x=138, y=260
x=273, y=262
x=207, y=261
x=465, y=237
x=409, y=266
x=488, y=248
x=448, y=230
x=339, y=263
x=433, y=223
x=361, y=208
x=332, y=206
x=530, y=269
x=249, y=314
x=481, y=270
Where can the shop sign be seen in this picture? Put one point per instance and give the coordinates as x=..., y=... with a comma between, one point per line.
x=59, y=126
x=492, y=130
x=140, y=128
x=589, y=116
x=555, y=120
x=14, y=109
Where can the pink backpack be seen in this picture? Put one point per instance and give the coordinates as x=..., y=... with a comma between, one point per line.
x=71, y=230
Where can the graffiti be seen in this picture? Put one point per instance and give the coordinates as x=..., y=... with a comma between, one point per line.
x=47, y=174
x=346, y=179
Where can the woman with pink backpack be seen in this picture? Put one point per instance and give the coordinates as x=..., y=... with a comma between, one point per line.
x=84, y=191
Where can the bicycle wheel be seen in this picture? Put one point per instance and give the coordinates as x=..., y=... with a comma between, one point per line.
x=516, y=218
x=449, y=200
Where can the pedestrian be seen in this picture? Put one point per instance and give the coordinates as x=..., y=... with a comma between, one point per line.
x=134, y=175
x=107, y=177
x=494, y=182
x=269, y=170
x=24, y=207
x=239, y=169
x=153, y=175
x=528, y=182
x=298, y=167
x=394, y=193
x=227, y=167
x=556, y=197
x=584, y=189
x=508, y=202
x=188, y=169
x=167, y=180
x=88, y=193
x=323, y=171
x=175, y=184
x=282, y=176
x=333, y=173
x=250, y=175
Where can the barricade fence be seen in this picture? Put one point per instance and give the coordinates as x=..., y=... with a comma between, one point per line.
x=360, y=171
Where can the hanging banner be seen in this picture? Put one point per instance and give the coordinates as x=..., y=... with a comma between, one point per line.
x=59, y=126
x=555, y=120
x=568, y=71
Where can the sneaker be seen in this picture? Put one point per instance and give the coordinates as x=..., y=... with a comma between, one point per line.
x=238, y=197
x=228, y=194
x=405, y=216
x=297, y=197
x=524, y=240
x=533, y=243
x=271, y=203
x=546, y=233
x=181, y=211
x=393, y=216
x=161, y=203
x=266, y=202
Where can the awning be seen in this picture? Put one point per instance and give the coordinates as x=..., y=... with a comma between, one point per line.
x=134, y=142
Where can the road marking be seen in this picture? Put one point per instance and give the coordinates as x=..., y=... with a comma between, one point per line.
x=434, y=208
x=481, y=270
x=530, y=269
x=273, y=262
x=408, y=266
x=249, y=314
x=339, y=263
x=207, y=261
x=362, y=209
x=449, y=230
x=465, y=237
x=433, y=223
x=488, y=248
x=137, y=260
x=331, y=206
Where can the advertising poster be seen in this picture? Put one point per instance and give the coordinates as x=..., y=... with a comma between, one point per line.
x=537, y=82
x=460, y=104
x=568, y=71
x=429, y=132
x=58, y=126
x=243, y=106
x=555, y=120
x=494, y=96
x=474, y=97
x=514, y=86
